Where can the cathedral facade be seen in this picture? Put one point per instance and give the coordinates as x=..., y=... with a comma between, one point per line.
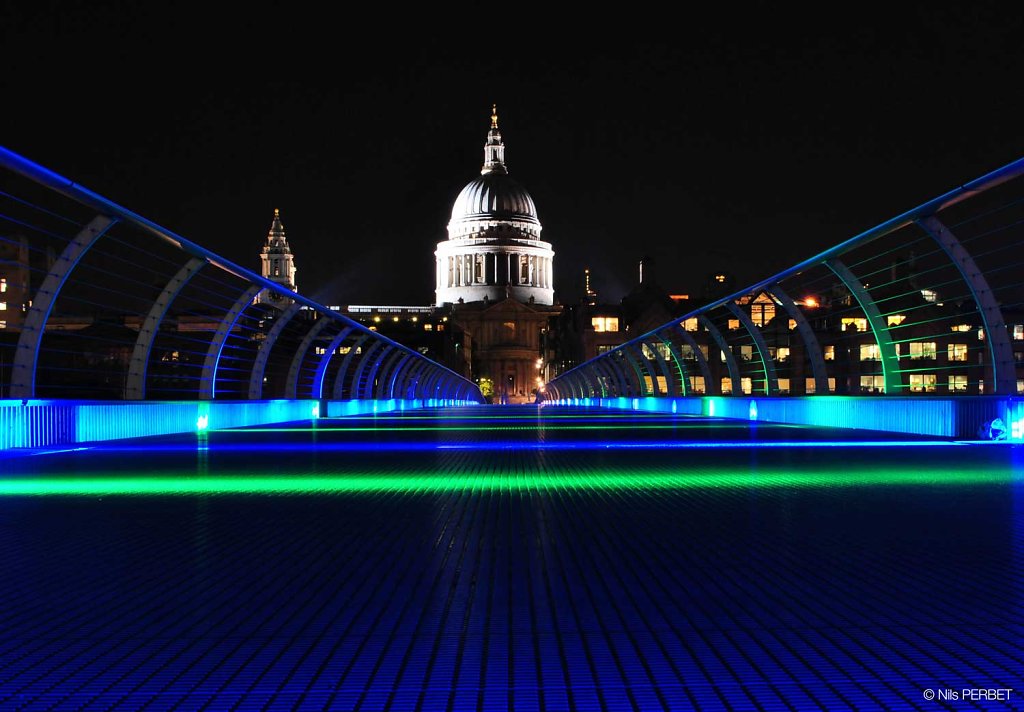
x=496, y=277
x=494, y=304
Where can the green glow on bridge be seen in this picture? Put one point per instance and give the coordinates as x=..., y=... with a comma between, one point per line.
x=412, y=482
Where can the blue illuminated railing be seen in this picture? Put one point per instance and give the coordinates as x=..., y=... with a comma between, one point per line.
x=100, y=304
x=928, y=304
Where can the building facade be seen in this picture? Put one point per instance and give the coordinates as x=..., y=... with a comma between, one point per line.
x=495, y=277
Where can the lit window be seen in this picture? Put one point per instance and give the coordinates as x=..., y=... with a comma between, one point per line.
x=958, y=384
x=342, y=350
x=3, y=284
x=440, y=327
x=922, y=383
x=782, y=354
x=870, y=352
x=922, y=349
x=734, y=323
x=605, y=323
x=957, y=352
x=1018, y=332
x=809, y=386
x=373, y=328
x=1020, y=384
x=830, y=353
x=722, y=355
x=428, y=327
x=784, y=386
x=869, y=384
x=663, y=351
x=746, y=385
x=854, y=323
x=376, y=319
x=720, y=278
x=930, y=295
x=792, y=324
x=3, y=306
x=648, y=385
x=696, y=384
x=831, y=385
x=320, y=350
x=662, y=385
x=394, y=318
x=961, y=327
x=690, y=324
x=726, y=386
x=895, y=319
x=604, y=348
x=762, y=310
x=746, y=352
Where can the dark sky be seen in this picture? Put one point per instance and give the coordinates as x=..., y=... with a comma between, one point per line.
x=744, y=140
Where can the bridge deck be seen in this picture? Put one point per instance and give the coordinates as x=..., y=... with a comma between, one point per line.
x=547, y=559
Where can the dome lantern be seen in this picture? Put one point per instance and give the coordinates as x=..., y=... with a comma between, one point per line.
x=494, y=149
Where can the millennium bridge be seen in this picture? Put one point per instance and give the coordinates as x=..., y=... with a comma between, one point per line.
x=219, y=494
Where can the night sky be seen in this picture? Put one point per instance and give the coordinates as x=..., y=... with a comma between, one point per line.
x=744, y=141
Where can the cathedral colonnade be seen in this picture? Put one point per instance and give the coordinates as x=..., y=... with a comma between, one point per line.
x=473, y=273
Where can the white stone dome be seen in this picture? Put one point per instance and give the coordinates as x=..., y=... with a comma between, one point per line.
x=494, y=196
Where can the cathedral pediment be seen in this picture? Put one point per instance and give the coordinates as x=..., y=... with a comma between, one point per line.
x=509, y=306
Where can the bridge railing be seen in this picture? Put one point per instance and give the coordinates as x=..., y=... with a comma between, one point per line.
x=928, y=303
x=98, y=303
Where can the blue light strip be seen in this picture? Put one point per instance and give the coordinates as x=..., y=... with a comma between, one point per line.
x=59, y=423
x=508, y=444
x=956, y=417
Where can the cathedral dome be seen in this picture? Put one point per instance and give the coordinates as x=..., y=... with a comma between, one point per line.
x=494, y=250
x=494, y=196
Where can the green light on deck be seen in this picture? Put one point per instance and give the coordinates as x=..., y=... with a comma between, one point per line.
x=428, y=482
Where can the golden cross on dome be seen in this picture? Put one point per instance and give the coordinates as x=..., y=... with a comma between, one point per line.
x=494, y=116
x=277, y=213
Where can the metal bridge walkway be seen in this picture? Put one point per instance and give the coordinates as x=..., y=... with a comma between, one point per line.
x=497, y=558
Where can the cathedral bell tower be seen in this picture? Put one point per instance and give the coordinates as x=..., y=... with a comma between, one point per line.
x=277, y=262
